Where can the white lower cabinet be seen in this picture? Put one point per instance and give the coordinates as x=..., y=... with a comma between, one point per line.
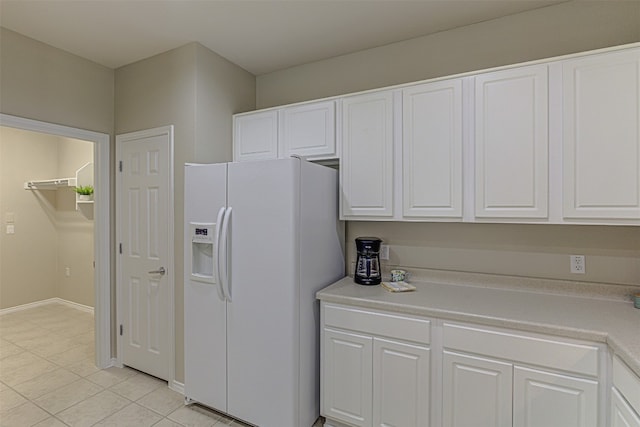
x=546, y=399
x=382, y=369
x=625, y=396
x=476, y=391
x=347, y=390
x=400, y=384
x=622, y=415
x=494, y=377
x=369, y=379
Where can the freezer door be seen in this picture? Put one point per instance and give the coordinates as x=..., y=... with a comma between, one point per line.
x=205, y=311
x=262, y=314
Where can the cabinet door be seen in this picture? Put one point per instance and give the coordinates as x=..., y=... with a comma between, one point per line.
x=255, y=136
x=308, y=130
x=511, y=143
x=622, y=415
x=366, y=163
x=601, y=141
x=347, y=377
x=400, y=384
x=545, y=399
x=476, y=391
x=432, y=150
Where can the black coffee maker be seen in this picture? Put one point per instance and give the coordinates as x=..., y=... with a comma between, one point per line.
x=368, y=261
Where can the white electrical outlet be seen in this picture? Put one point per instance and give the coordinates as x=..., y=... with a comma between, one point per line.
x=578, y=265
x=67, y=271
x=384, y=252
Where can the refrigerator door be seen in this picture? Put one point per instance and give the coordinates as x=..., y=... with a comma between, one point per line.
x=262, y=315
x=204, y=310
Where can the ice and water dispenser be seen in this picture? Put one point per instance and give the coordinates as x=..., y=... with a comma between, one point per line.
x=202, y=253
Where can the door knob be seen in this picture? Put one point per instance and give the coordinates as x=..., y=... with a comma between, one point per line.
x=160, y=271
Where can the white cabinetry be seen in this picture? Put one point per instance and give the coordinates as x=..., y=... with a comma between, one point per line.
x=306, y=130
x=476, y=391
x=511, y=143
x=432, y=150
x=548, y=399
x=375, y=368
x=601, y=147
x=503, y=378
x=400, y=383
x=622, y=414
x=347, y=379
x=366, y=162
x=255, y=136
x=625, y=396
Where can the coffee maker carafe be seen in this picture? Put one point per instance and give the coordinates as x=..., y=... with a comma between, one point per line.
x=368, y=261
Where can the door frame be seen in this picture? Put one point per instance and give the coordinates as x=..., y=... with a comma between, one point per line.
x=121, y=139
x=101, y=221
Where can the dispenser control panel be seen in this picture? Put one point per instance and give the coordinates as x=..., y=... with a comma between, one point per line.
x=202, y=233
x=202, y=251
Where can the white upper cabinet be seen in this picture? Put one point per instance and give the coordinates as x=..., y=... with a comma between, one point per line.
x=432, y=150
x=255, y=136
x=366, y=162
x=308, y=130
x=601, y=141
x=511, y=143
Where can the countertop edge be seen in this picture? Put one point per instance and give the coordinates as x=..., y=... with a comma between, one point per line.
x=615, y=344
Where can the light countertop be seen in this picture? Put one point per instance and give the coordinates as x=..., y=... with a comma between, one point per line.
x=533, y=308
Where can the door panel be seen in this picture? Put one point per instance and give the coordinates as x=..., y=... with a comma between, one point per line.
x=601, y=157
x=262, y=314
x=144, y=230
x=400, y=384
x=348, y=381
x=476, y=391
x=432, y=150
x=367, y=155
x=512, y=143
x=622, y=415
x=545, y=399
x=205, y=311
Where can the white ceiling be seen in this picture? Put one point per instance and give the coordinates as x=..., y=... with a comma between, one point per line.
x=259, y=35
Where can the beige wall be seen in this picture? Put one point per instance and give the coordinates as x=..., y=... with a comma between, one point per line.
x=49, y=233
x=197, y=91
x=75, y=229
x=566, y=28
x=613, y=253
x=43, y=83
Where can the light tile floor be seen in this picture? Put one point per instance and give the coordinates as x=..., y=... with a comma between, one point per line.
x=48, y=379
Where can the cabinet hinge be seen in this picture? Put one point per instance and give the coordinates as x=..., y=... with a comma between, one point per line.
x=121, y=330
x=120, y=248
x=120, y=166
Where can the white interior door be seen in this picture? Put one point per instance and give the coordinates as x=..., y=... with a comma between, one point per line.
x=145, y=285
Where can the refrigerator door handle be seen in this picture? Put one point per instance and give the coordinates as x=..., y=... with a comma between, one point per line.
x=225, y=253
x=216, y=243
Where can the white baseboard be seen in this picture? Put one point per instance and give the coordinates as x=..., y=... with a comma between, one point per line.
x=56, y=300
x=176, y=386
x=76, y=305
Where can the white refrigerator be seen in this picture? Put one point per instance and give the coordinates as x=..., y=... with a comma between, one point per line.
x=261, y=238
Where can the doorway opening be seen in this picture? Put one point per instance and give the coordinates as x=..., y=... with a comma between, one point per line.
x=94, y=171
